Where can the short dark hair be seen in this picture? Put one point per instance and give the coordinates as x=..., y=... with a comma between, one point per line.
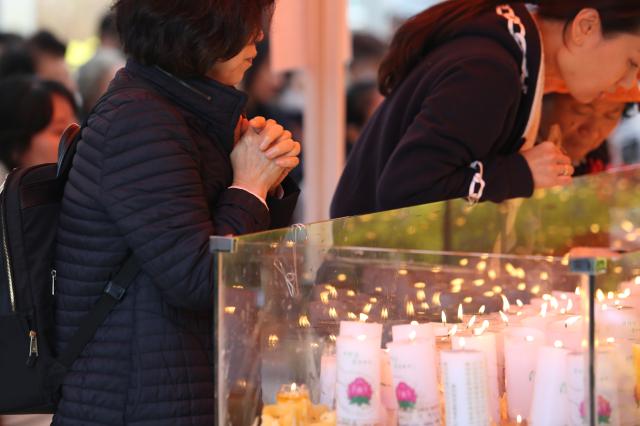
x=107, y=27
x=186, y=37
x=26, y=108
x=15, y=59
x=46, y=42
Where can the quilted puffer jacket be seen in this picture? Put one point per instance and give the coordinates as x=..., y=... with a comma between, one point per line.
x=151, y=177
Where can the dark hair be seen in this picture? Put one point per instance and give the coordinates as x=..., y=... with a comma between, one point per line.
x=366, y=46
x=432, y=27
x=26, y=108
x=359, y=98
x=8, y=39
x=187, y=37
x=108, y=27
x=45, y=42
x=16, y=60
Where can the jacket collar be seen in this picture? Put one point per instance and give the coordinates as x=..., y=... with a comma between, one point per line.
x=218, y=106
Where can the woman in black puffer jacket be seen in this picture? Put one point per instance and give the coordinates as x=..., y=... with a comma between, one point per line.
x=165, y=162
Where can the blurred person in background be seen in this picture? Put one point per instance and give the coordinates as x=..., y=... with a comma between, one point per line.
x=363, y=99
x=94, y=76
x=48, y=54
x=367, y=53
x=582, y=129
x=33, y=115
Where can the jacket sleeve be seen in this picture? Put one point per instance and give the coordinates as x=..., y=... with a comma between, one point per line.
x=282, y=209
x=460, y=121
x=153, y=192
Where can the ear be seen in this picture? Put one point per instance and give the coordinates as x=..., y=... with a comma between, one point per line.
x=586, y=27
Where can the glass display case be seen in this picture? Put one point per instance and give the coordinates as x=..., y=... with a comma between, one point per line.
x=526, y=312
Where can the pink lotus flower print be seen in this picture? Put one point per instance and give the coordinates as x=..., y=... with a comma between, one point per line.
x=359, y=392
x=603, y=410
x=406, y=396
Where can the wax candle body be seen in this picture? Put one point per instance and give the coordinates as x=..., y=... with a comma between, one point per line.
x=485, y=343
x=418, y=331
x=356, y=328
x=328, y=377
x=415, y=382
x=577, y=385
x=521, y=354
x=358, y=381
x=464, y=380
x=549, y=403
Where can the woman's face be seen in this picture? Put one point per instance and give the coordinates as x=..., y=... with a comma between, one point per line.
x=592, y=64
x=231, y=72
x=584, y=126
x=44, y=145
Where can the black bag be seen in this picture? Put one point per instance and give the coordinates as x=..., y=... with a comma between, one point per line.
x=30, y=200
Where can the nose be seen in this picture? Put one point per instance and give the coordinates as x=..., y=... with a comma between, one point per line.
x=631, y=80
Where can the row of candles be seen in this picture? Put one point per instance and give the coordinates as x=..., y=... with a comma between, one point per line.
x=533, y=354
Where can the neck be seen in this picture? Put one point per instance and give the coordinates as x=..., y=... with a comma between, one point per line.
x=552, y=36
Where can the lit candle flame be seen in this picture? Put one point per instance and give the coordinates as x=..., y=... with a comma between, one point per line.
x=421, y=295
x=610, y=295
x=443, y=316
x=460, y=312
x=571, y=321
x=229, y=309
x=546, y=297
x=352, y=293
x=519, y=419
x=471, y=322
x=554, y=303
x=482, y=309
x=504, y=318
x=419, y=285
x=505, y=303
x=600, y=295
x=294, y=387
x=578, y=291
x=364, y=317
x=332, y=291
x=453, y=330
x=273, y=340
x=611, y=340
x=543, y=310
x=304, y=321
x=324, y=297
x=558, y=344
x=352, y=316
x=373, y=300
x=412, y=335
x=463, y=343
x=410, y=309
x=333, y=313
x=414, y=323
x=384, y=314
x=367, y=308
x=519, y=303
x=424, y=306
x=569, y=305
x=529, y=338
x=333, y=337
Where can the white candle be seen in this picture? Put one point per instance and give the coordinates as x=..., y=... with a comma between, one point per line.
x=415, y=382
x=621, y=323
x=607, y=385
x=577, y=385
x=485, y=343
x=358, y=381
x=358, y=328
x=328, y=377
x=520, y=355
x=418, y=331
x=549, y=404
x=464, y=380
x=570, y=331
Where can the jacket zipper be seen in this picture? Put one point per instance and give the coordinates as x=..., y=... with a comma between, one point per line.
x=33, y=348
x=53, y=282
x=7, y=259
